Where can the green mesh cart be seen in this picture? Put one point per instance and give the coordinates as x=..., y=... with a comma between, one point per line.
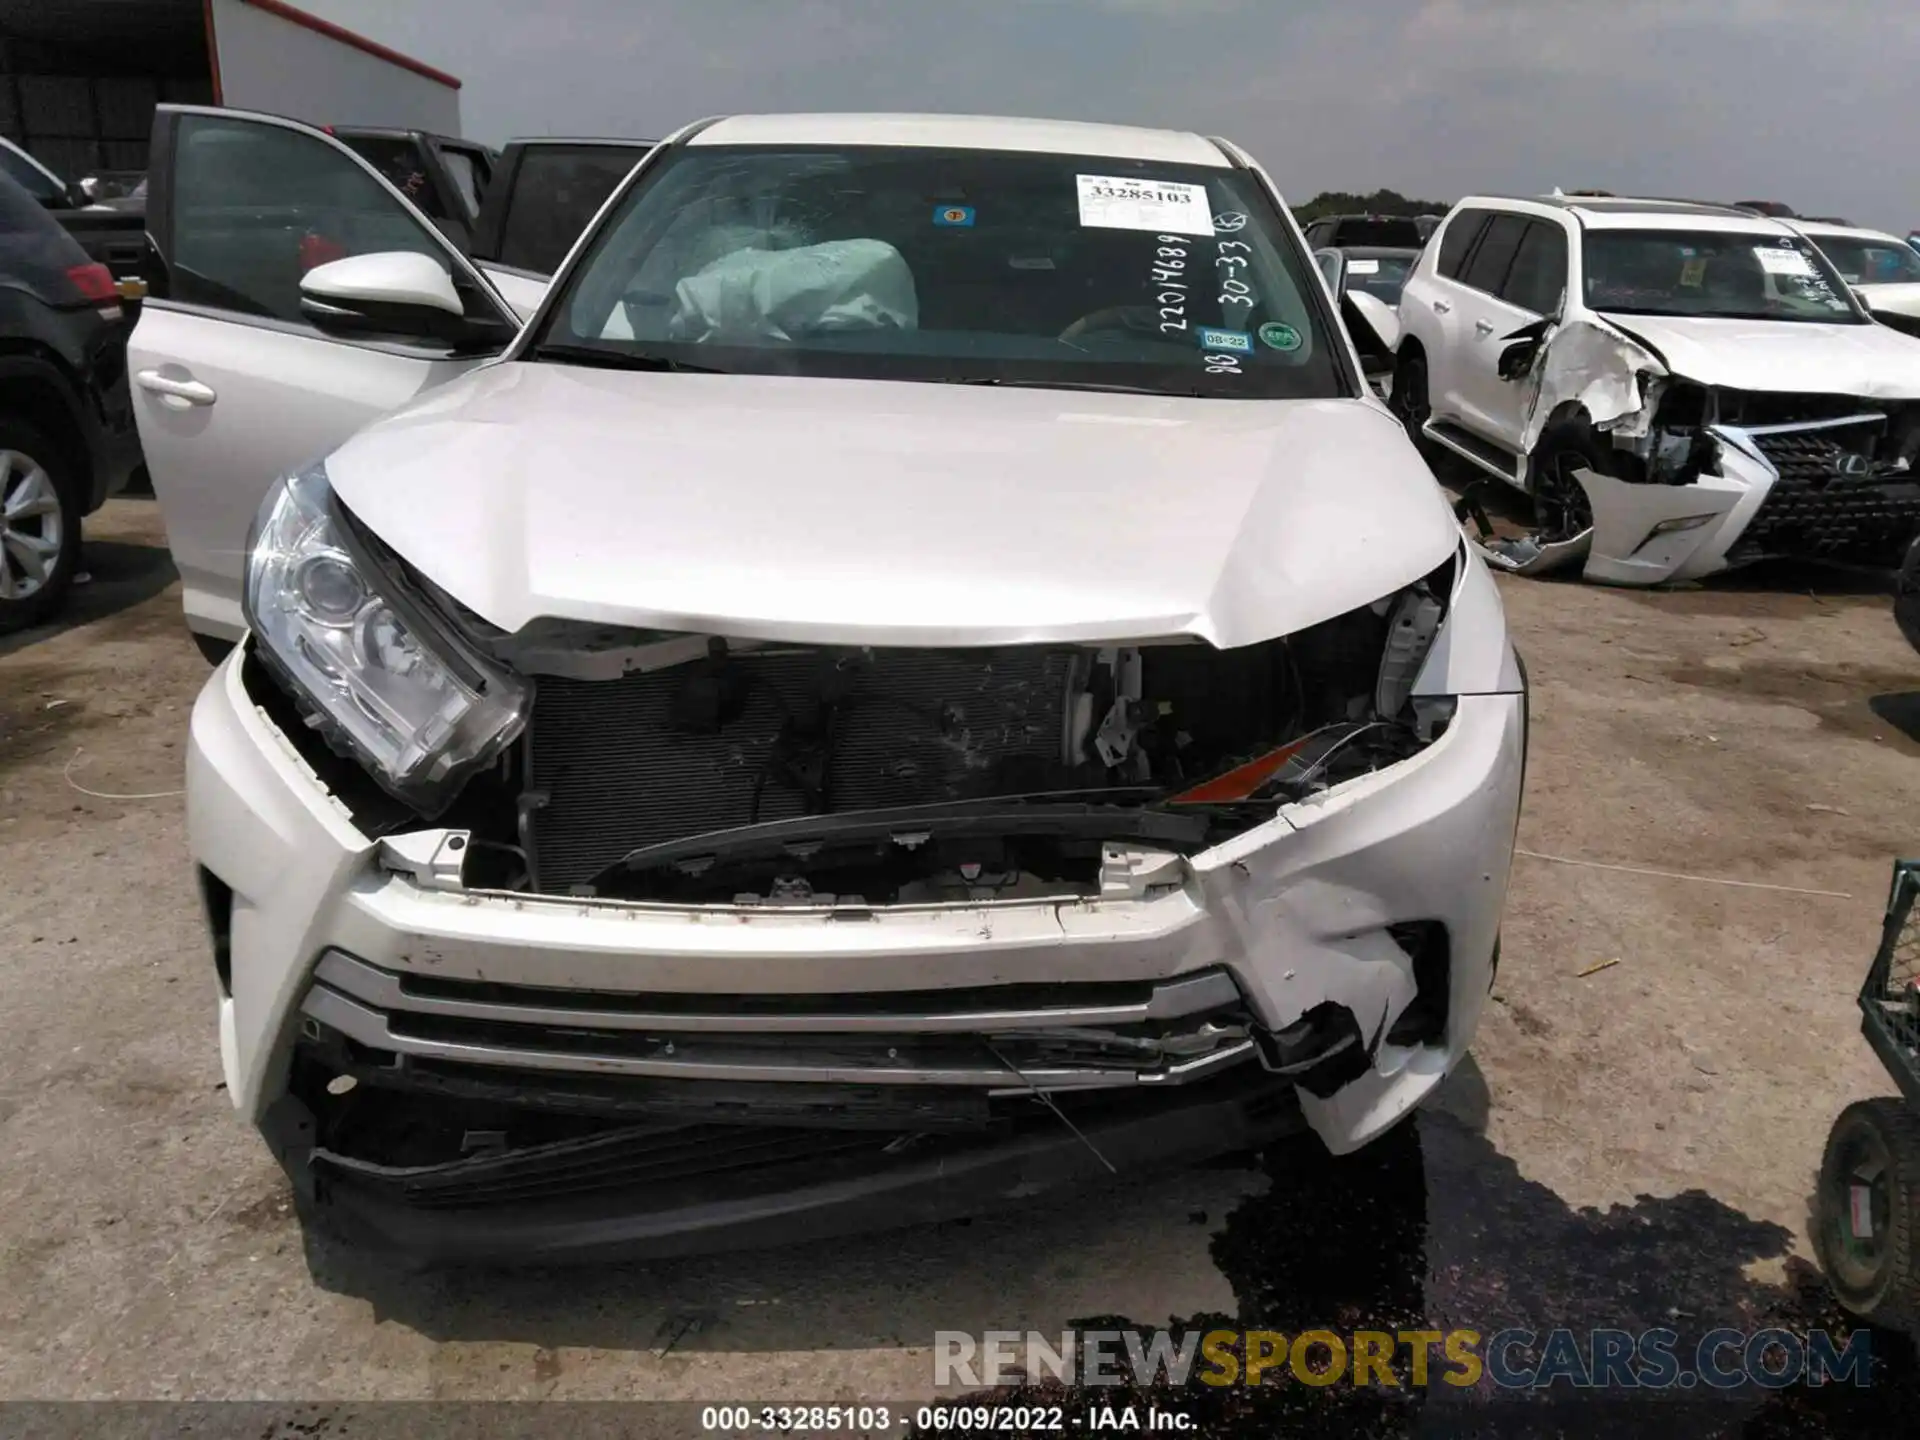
x=1866, y=1221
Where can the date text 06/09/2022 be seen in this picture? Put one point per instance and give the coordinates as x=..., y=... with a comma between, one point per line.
x=964, y=1419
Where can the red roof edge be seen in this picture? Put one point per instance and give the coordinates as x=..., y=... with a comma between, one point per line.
x=358, y=42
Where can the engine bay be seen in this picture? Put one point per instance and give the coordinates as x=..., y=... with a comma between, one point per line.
x=701, y=770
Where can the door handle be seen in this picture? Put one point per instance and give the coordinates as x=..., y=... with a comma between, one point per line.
x=1441, y=307
x=1483, y=327
x=191, y=392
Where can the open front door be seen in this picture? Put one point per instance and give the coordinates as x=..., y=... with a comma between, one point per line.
x=234, y=384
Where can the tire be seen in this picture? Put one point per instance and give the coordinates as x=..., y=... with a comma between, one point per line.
x=1410, y=400
x=39, y=525
x=1906, y=596
x=1561, y=509
x=211, y=649
x=1877, y=1276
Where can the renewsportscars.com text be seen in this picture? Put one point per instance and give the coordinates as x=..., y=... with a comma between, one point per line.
x=1511, y=1359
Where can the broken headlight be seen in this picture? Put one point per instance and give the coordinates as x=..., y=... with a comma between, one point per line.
x=1413, y=621
x=409, y=703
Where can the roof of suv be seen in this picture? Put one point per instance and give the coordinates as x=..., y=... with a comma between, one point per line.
x=966, y=132
x=1621, y=213
x=1816, y=229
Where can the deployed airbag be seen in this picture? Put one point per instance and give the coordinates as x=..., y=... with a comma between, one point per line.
x=754, y=295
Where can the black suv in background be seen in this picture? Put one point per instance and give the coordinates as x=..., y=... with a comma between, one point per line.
x=1339, y=232
x=67, y=437
x=446, y=178
x=544, y=192
x=115, y=234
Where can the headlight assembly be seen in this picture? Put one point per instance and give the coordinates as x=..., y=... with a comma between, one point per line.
x=417, y=709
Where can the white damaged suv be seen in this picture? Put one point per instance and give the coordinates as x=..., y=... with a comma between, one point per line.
x=1681, y=387
x=919, y=675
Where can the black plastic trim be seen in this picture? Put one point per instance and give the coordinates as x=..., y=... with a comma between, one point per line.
x=601, y=1228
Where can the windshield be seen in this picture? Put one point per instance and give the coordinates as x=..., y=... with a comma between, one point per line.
x=1381, y=276
x=1717, y=274
x=1869, y=261
x=987, y=267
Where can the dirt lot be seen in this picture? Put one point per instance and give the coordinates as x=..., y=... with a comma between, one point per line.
x=1630, y=1148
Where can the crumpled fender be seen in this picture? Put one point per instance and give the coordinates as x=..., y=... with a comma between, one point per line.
x=1599, y=367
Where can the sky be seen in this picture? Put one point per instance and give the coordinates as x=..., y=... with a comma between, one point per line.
x=1717, y=99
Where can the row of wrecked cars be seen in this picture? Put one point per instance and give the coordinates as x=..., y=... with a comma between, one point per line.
x=1679, y=387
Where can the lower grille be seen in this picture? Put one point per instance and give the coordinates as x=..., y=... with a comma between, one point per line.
x=616, y=764
x=635, y=1158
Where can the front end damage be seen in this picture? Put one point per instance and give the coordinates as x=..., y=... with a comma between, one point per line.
x=1681, y=480
x=742, y=938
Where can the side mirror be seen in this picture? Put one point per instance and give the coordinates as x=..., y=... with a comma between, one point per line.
x=90, y=189
x=74, y=195
x=1518, y=350
x=1517, y=358
x=393, y=292
x=1860, y=297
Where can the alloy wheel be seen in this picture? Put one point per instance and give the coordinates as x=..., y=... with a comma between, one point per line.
x=31, y=526
x=1560, y=501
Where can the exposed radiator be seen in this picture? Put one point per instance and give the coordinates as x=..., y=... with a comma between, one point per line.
x=622, y=763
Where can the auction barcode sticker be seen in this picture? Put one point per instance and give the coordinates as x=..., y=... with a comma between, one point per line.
x=1114, y=202
x=1778, y=260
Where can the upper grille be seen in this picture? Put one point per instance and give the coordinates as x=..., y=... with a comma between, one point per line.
x=618, y=766
x=1815, y=511
x=1816, y=455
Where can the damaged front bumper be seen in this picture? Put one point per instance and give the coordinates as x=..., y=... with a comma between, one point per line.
x=480, y=1075
x=1800, y=491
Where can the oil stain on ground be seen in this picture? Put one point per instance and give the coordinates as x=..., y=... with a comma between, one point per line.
x=1430, y=1228
x=1838, y=696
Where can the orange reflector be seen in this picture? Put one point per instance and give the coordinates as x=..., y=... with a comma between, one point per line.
x=1238, y=784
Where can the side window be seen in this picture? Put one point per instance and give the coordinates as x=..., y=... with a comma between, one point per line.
x=256, y=206
x=1487, y=270
x=1539, y=272
x=1329, y=263
x=1457, y=240
x=468, y=178
x=36, y=253
x=30, y=177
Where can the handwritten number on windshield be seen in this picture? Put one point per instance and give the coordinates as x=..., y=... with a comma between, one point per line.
x=1169, y=274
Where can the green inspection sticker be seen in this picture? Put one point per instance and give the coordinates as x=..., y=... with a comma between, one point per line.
x=1280, y=337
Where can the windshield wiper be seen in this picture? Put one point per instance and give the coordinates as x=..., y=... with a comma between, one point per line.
x=620, y=359
x=1110, y=388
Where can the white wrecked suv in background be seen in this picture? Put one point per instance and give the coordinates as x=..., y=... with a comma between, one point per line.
x=921, y=675
x=1681, y=387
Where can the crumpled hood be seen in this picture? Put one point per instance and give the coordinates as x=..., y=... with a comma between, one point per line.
x=1870, y=361
x=880, y=512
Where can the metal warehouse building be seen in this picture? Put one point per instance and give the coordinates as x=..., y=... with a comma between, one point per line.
x=79, y=78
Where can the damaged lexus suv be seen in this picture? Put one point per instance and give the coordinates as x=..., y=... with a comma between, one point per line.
x=920, y=675
x=1681, y=387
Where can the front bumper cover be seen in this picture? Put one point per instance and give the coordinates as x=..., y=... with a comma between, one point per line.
x=1301, y=913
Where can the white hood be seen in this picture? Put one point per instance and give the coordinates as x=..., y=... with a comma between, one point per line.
x=880, y=512
x=1867, y=360
x=1902, y=298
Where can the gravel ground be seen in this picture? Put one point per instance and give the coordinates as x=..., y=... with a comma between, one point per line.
x=1628, y=1147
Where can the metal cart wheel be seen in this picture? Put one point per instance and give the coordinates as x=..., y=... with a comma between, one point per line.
x=1866, y=1220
